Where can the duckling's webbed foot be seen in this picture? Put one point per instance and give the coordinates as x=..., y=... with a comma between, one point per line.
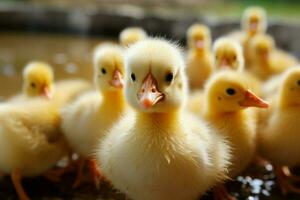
x=16, y=179
x=284, y=179
x=79, y=176
x=55, y=175
x=221, y=193
x=94, y=172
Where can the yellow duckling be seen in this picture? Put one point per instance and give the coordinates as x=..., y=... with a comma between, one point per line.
x=30, y=139
x=37, y=81
x=227, y=96
x=279, y=133
x=85, y=121
x=199, y=57
x=254, y=21
x=267, y=60
x=131, y=35
x=228, y=54
x=160, y=152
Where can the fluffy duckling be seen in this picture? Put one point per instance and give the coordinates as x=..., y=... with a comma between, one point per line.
x=85, y=121
x=37, y=81
x=254, y=21
x=169, y=154
x=227, y=95
x=131, y=35
x=199, y=57
x=279, y=132
x=30, y=139
x=228, y=54
x=266, y=59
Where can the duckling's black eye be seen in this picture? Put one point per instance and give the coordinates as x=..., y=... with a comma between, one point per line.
x=298, y=82
x=133, y=78
x=33, y=85
x=230, y=91
x=169, y=77
x=234, y=57
x=103, y=71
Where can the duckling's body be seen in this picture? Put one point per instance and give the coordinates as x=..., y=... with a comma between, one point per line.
x=199, y=68
x=31, y=141
x=169, y=154
x=199, y=58
x=86, y=120
x=267, y=60
x=240, y=130
x=167, y=158
x=279, y=129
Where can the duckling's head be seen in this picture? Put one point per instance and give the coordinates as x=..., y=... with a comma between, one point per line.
x=155, y=79
x=289, y=94
x=261, y=46
x=227, y=92
x=254, y=20
x=109, y=67
x=198, y=37
x=131, y=35
x=38, y=79
x=228, y=54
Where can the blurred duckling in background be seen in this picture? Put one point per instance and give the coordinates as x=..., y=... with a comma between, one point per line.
x=279, y=131
x=31, y=141
x=254, y=21
x=227, y=95
x=85, y=121
x=131, y=35
x=228, y=54
x=267, y=60
x=199, y=57
x=38, y=81
x=169, y=154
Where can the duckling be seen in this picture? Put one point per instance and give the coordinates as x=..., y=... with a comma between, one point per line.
x=227, y=95
x=228, y=54
x=199, y=57
x=267, y=60
x=169, y=153
x=131, y=35
x=37, y=81
x=30, y=139
x=86, y=120
x=254, y=21
x=278, y=136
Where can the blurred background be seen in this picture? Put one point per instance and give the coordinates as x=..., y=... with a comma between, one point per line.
x=64, y=32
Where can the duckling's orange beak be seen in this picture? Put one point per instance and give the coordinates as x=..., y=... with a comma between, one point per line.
x=199, y=44
x=251, y=100
x=149, y=95
x=253, y=26
x=117, y=79
x=225, y=63
x=45, y=91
